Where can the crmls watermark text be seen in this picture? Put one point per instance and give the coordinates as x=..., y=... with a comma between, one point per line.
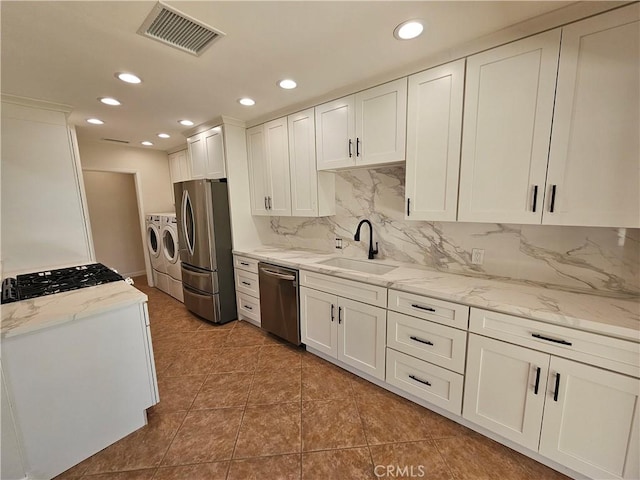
x=399, y=471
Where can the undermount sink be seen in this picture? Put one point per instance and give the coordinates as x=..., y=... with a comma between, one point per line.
x=358, y=265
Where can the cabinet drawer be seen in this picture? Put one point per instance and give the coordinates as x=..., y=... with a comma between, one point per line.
x=444, y=346
x=429, y=382
x=247, y=282
x=249, y=307
x=361, y=292
x=245, y=263
x=614, y=354
x=439, y=311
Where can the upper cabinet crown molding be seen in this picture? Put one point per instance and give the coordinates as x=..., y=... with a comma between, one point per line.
x=364, y=129
x=34, y=103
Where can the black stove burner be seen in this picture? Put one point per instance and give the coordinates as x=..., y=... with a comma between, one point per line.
x=32, y=285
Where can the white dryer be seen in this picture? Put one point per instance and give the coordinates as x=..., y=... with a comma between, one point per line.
x=171, y=253
x=154, y=246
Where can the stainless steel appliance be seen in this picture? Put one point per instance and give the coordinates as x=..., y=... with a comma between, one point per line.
x=279, y=304
x=204, y=236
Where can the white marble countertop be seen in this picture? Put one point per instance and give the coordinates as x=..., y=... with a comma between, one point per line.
x=28, y=316
x=584, y=311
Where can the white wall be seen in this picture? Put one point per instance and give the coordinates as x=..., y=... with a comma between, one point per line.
x=152, y=167
x=113, y=212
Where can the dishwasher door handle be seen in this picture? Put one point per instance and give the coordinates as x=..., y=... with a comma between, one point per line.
x=278, y=275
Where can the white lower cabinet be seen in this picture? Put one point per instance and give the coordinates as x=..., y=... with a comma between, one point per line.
x=350, y=331
x=578, y=415
x=247, y=289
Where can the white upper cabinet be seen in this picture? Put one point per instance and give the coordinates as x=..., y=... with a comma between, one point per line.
x=434, y=129
x=594, y=161
x=179, y=167
x=268, y=154
x=368, y=128
x=206, y=154
x=312, y=192
x=508, y=110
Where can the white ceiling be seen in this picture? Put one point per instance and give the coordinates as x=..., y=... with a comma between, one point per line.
x=68, y=52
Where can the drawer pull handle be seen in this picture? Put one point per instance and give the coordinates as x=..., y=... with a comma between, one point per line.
x=537, y=385
x=248, y=307
x=246, y=283
x=555, y=394
x=413, y=377
x=421, y=307
x=548, y=339
x=416, y=339
x=244, y=263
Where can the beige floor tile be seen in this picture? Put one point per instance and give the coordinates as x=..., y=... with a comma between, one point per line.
x=352, y=464
x=325, y=383
x=535, y=470
x=201, y=471
x=245, y=335
x=389, y=420
x=217, y=326
x=144, y=448
x=275, y=386
x=222, y=390
x=279, y=357
x=361, y=386
x=205, y=436
x=269, y=430
x=330, y=424
x=280, y=467
x=177, y=393
x=441, y=427
x=410, y=460
x=210, y=338
x=236, y=359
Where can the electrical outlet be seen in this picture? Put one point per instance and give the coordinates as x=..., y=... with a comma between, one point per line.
x=339, y=243
x=477, y=256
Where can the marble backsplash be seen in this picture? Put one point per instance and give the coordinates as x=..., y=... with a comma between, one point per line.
x=574, y=258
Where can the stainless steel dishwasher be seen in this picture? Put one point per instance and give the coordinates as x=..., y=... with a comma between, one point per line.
x=279, y=301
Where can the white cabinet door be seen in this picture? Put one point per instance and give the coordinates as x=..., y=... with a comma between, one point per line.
x=318, y=321
x=362, y=336
x=214, y=147
x=277, y=173
x=198, y=156
x=505, y=389
x=591, y=420
x=302, y=164
x=508, y=109
x=594, y=161
x=381, y=123
x=256, y=156
x=335, y=133
x=179, y=167
x=434, y=129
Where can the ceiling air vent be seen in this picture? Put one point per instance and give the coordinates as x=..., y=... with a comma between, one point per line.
x=167, y=25
x=115, y=140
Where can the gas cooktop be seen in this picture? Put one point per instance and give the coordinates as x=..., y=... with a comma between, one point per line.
x=49, y=282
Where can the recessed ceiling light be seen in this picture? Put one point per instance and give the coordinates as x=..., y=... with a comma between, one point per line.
x=128, y=77
x=287, y=84
x=109, y=101
x=146, y=143
x=164, y=135
x=186, y=123
x=408, y=30
x=247, y=102
x=95, y=121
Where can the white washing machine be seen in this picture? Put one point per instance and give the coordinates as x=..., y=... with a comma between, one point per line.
x=154, y=246
x=171, y=253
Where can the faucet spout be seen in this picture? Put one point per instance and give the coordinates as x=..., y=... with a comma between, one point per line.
x=356, y=237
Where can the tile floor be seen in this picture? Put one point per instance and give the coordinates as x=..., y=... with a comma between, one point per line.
x=236, y=403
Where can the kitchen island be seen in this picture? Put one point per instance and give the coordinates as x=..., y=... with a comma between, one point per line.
x=79, y=374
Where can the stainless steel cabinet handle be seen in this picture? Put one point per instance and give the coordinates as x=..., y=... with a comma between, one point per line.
x=350, y=154
x=278, y=275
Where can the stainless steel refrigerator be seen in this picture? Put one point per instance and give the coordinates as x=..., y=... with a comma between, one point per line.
x=204, y=234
